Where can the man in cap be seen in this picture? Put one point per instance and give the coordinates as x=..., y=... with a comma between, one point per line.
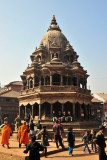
x=34, y=148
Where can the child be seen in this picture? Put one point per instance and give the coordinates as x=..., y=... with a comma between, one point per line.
x=71, y=140
x=44, y=138
x=92, y=137
x=86, y=140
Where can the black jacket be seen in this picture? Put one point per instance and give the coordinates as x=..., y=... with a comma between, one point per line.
x=34, y=148
x=71, y=139
x=100, y=140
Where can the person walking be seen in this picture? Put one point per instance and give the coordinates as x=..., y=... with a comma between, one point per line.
x=32, y=132
x=23, y=137
x=34, y=148
x=44, y=138
x=56, y=129
x=93, y=143
x=86, y=141
x=5, y=132
x=71, y=140
x=100, y=141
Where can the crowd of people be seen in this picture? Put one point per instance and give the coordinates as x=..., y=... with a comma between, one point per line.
x=63, y=117
x=27, y=132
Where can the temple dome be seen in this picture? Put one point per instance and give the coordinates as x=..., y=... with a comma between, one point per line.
x=54, y=37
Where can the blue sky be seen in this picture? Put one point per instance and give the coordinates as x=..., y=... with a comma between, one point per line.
x=23, y=23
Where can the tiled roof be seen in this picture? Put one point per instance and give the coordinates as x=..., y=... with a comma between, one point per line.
x=101, y=97
x=96, y=100
x=15, y=83
x=10, y=93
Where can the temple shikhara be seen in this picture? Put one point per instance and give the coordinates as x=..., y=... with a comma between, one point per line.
x=54, y=80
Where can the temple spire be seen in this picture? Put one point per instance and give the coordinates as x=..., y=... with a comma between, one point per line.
x=53, y=21
x=54, y=25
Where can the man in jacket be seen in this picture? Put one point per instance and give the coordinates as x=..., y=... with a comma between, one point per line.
x=71, y=140
x=100, y=140
x=34, y=148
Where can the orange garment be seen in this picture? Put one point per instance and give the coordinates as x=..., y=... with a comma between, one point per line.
x=23, y=135
x=6, y=131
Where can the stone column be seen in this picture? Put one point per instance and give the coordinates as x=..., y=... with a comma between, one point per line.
x=62, y=107
x=39, y=111
x=80, y=111
x=33, y=82
x=67, y=81
x=25, y=110
x=44, y=81
x=50, y=80
x=39, y=81
x=32, y=111
x=27, y=84
x=51, y=110
x=78, y=81
x=73, y=111
x=61, y=80
x=19, y=111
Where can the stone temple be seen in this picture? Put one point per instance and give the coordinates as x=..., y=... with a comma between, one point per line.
x=55, y=80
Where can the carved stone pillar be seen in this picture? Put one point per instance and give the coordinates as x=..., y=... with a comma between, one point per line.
x=25, y=110
x=39, y=111
x=61, y=80
x=78, y=81
x=80, y=111
x=51, y=110
x=27, y=84
x=50, y=80
x=62, y=107
x=32, y=112
x=33, y=82
x=44, y=81
x=19, y=111
x=73, y=111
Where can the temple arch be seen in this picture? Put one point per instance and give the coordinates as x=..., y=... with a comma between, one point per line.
x=45, y=111
x=57, y=107
x=56, y=78
x=68, y=106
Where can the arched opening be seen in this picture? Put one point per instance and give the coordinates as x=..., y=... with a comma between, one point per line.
x=45, y=111
x=83, y=111
x=74, y=81
x=29, y=109
x=88, y=111
x=81, y=83
x=68, y=107
x=69, y=81
x=36, y=81
x=39, y=58
x=22, y=112
x=64, y=80
x=31, y=83
x=57, y=107
x=47, y=80
x=36, y=109
x=56, y=79
x=77, y=111
x=42, y=81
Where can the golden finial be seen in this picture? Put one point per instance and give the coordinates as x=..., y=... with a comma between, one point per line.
x=53, y=18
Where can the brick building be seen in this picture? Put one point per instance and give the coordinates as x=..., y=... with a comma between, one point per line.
x=9, y=101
